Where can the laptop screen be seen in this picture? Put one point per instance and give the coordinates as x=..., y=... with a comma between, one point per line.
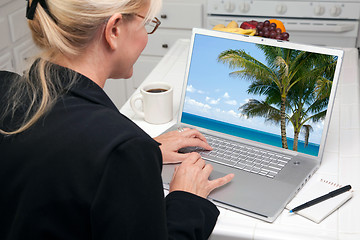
x=269, y=94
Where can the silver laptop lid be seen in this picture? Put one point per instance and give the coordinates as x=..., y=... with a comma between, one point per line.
x=234, y=85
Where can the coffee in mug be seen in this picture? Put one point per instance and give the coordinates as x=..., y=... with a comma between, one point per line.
x=156, y=90
x=157, y=102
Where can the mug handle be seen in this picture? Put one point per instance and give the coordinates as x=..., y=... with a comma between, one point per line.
x=133, y=100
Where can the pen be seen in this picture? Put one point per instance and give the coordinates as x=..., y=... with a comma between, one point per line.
x=322, y=198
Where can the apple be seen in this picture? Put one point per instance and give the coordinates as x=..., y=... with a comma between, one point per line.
x=248, y=25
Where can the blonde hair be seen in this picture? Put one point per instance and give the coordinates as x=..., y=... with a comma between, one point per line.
x=73, y=24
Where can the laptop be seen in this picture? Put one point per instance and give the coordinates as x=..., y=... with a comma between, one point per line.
x=264, y=105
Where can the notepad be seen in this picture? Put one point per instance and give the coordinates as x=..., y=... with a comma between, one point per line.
x=320, y=211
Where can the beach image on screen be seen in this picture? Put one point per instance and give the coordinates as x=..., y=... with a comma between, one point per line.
x=267, y=94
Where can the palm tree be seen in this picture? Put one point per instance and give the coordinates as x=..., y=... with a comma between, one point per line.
x=304, y=104
x=309, y=98
x=285, y=68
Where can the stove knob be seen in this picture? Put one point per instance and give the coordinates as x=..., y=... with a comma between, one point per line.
x=319, y=10
x=229, y=6
x=335, y=11
x=244, y=7
x=281, y=8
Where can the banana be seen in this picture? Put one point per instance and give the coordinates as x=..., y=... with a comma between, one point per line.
x=232, y=24
x=233, y=27
x=250, y=32
x=220, y=26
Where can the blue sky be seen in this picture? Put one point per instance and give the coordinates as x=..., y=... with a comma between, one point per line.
x=205, y=98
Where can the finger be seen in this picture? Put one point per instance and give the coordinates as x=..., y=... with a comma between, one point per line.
x=192, y=158
x=207, y=170
x=194, y=134
x=194, y=142
x=200, y=163
x=221, y=181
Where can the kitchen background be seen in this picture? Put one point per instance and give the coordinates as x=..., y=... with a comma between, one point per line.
x=329, y=23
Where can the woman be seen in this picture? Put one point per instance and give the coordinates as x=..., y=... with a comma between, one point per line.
x=72, y=166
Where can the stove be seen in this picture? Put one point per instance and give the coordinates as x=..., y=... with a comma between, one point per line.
x=328, y=23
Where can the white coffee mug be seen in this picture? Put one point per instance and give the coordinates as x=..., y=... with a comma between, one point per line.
x=157, y=102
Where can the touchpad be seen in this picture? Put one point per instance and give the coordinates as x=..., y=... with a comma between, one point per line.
x=216, y=174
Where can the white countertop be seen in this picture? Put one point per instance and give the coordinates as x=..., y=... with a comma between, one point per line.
x=341, y=163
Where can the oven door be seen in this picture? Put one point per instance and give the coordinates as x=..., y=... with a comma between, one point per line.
x=336, y=33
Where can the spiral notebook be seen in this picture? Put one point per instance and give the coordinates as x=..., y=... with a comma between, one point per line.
x=320, y=211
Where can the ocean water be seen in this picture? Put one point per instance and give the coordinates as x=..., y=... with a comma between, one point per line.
x=248, y=133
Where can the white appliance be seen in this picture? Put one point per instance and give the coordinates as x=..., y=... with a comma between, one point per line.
x=328, y=23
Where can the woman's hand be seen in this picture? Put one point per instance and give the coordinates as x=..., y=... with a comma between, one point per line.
x=172, y=141
x=193, y=176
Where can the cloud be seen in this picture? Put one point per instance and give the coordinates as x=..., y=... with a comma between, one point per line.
x=318, y=125
x=226, y=95
x=212, y=101
x=234, y=114
x=190, y=88
x=197, y=104
x=231, y=102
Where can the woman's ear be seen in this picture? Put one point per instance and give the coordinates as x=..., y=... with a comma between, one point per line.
x=112, y=30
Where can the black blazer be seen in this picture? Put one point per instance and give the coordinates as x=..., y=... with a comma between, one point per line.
x=85, y=171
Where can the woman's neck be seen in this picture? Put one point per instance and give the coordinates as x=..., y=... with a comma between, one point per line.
x=91, y=64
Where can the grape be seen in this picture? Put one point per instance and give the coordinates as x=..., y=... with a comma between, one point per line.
x=270, y=30
x=272, y=34
x=260, y=26
x=285, y=36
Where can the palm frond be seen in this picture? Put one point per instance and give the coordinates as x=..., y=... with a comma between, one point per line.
x=256, y=108
x=250, y=67
x=323, y=88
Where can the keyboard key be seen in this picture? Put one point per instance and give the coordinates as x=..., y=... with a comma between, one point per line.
x=241, y=156
x=247, y=168
x=239, y=165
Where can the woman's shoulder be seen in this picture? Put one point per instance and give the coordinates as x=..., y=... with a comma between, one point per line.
x=6, y=77
x=7, y=74
x=97, y=123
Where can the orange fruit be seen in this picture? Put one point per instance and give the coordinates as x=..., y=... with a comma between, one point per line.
x=279, y=24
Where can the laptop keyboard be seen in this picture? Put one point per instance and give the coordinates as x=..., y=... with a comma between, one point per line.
x=244, y=157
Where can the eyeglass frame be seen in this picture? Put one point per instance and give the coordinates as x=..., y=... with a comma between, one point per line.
x=155, y=20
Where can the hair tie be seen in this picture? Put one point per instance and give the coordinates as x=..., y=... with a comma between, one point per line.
x=31, y=9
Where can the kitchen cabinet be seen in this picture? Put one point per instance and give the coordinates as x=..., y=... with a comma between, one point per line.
x=177, y=17
x=16, y=45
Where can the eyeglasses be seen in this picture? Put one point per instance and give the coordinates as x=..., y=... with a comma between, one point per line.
x=150, y=25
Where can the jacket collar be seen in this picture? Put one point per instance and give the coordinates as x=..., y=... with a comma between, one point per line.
x=88, y=89
x=84, y=87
